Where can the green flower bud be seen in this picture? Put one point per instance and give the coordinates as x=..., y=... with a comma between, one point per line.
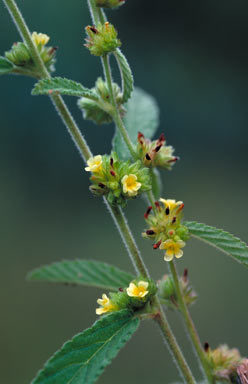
x=166, y=290
x=109, y=3
x=19, y=54
x=102, y=39
x=155, y=153
x=116, y=179
x=100, y=111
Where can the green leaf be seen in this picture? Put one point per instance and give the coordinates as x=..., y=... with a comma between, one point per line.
x=221, y=240
x=83, y=272
x=5, y=66
x=83, y=359
x=142, y=115
x=62, y=86
x=126, y=75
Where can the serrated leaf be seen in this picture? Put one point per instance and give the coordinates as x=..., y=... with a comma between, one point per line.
x=83, y=272
x=58, y=85
x=5, y=66
x=221, y=240
x=126, y=75
x=83, y=359
x=142, y=115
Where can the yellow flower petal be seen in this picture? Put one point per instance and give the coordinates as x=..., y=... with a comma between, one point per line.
x=40, y=38
x=138, y=291
x=94, y=164
x=130, y=184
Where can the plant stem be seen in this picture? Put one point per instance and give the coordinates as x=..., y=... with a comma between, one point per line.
x=127, y=237
x=116, y=115
x=173, y=345
x=190, y=325
x=41, y=69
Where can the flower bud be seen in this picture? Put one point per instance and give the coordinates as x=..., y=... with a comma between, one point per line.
x=109, y=3
x=155, y=153
x=102, y=39
x=100, y=111
x=166, y=290
x=19, y=54
x=224, y=361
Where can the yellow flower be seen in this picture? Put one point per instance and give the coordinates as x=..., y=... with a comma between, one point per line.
x=106, y=305
x=171, y=205
x=130, y=184
x=40, y=38
x=173, y=248
x=139, y=290
x=94, y=164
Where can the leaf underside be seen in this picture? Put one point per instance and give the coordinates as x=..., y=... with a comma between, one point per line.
x=5, y=66
x=126, y=75
x=83, y=359
x=59, y=85
x=221, y=240
x=82, y=272
x=142, y=115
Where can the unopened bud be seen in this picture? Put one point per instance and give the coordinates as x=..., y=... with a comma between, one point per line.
x=102, y=39
x=109, y=3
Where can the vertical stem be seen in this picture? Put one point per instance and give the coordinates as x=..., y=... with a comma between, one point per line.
x=174, y=347
x=127, y=237
x=190, y=325
x=116, y=117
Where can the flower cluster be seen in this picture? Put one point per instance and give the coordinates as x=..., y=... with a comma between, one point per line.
x=135, y=297
x=109, y=3
x=167, y=291
x=155, y=153
x=20, y=55
x=100, y=110
x=102, y=39
x=165, y=228
x=116, y=179
x=223, y=361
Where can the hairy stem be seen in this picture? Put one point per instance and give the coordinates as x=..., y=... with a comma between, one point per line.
x=128, y=239
x=190, y=325
x=116, y=116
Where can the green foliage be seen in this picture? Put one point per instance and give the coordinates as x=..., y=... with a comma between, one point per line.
x=5, y=66
x=82, y=272
x=63, y=87
x=142, y=115
x=126, y=75
x=221, y=240
x=83, y=359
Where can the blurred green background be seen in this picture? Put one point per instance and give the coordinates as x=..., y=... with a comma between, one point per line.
x=192, y=56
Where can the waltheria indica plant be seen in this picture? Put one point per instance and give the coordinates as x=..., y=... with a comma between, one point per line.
x=130, y=170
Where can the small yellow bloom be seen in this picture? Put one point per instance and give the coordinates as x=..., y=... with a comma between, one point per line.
x=139, y=290
x=94, y=164
x=40, y=38
x=173, y=248
x=171, y=205
x=130, y=184
x=106, y=305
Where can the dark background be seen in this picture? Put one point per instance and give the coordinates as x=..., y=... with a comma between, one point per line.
x=192, y=56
